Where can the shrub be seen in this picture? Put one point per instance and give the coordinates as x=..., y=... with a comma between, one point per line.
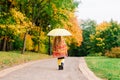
x=95, y=54
x=18, y=43
x=114, y=53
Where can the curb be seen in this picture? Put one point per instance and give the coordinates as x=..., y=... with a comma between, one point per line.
x=86, y=71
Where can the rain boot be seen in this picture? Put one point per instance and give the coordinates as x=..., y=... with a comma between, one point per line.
x=62, y=66
x=59, y=67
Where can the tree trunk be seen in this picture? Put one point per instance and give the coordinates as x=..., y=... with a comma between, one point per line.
x=39, y=41
x=10, y=46
x=7, y=45
x=0, y=45
x=24, y=43
x=4, y=43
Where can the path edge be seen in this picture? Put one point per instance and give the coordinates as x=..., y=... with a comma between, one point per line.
x=86, y=71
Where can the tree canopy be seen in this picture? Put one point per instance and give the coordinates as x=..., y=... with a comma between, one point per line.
x=30, y=19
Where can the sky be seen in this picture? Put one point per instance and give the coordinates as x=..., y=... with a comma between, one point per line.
x=99, y=10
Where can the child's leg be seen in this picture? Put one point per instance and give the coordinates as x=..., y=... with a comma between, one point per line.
x=61, y=63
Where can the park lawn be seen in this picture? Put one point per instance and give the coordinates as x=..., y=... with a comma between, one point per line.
x=103, y=67
x=12, y=58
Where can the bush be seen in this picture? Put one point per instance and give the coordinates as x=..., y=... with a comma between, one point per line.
x=95, y=54
x=75, y=51
x=114, y=53
x=18, y=43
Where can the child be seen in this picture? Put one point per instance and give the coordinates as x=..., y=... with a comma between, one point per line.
x=59, y=51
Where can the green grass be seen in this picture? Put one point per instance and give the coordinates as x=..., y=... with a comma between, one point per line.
x=8, y=59
x=106, y=68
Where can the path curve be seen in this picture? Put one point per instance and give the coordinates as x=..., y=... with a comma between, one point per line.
x=45, y=70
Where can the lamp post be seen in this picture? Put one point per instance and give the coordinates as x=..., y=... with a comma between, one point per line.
x=49, y=49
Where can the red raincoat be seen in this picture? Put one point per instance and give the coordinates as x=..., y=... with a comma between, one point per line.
x=61, y=50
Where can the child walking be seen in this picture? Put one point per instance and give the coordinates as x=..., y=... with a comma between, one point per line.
x=59, y=51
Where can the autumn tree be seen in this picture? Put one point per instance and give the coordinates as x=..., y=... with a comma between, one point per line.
x=6, y=22
x=44, y=12
x=23, y=15
x=106, y=37
x=76, y=39
x=13, y=20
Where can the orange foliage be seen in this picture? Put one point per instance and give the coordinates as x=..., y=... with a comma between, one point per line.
x=29, y=42
x=76, y=31
x=114, y=53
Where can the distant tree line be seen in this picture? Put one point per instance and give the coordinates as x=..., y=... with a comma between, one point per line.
x=99, y=39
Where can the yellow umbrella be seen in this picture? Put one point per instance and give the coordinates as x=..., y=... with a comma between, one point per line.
x=59, y=32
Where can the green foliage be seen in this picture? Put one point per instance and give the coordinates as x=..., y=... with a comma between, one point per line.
x=99, y=38
x=105, y=38
x=74, y=50
x=43, y=46
x=95, y=54
x=106, y=68
x=44, y=12
x=6, y=19
x=41, y=38
x=110, y=35
x=88, y=27
x=18, y=43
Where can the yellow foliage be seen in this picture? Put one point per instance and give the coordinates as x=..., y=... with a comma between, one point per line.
x=99, y=39
x=92, y=37
x=54, y=9
x=13, y=28
x=103, y=26
x=76, y=31
x=2, y=26
x=100, y=44
x=29, y=43
x=42, y=39
x=97, y=32
x=36, y=48
x=20, y=18
x=42, y=35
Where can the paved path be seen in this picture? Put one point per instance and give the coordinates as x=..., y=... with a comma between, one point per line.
x=47, y=70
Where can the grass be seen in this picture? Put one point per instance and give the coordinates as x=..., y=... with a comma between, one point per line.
x=106, y=68
x=8, y=59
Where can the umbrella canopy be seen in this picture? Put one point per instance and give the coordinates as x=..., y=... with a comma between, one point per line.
x=59, y=32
